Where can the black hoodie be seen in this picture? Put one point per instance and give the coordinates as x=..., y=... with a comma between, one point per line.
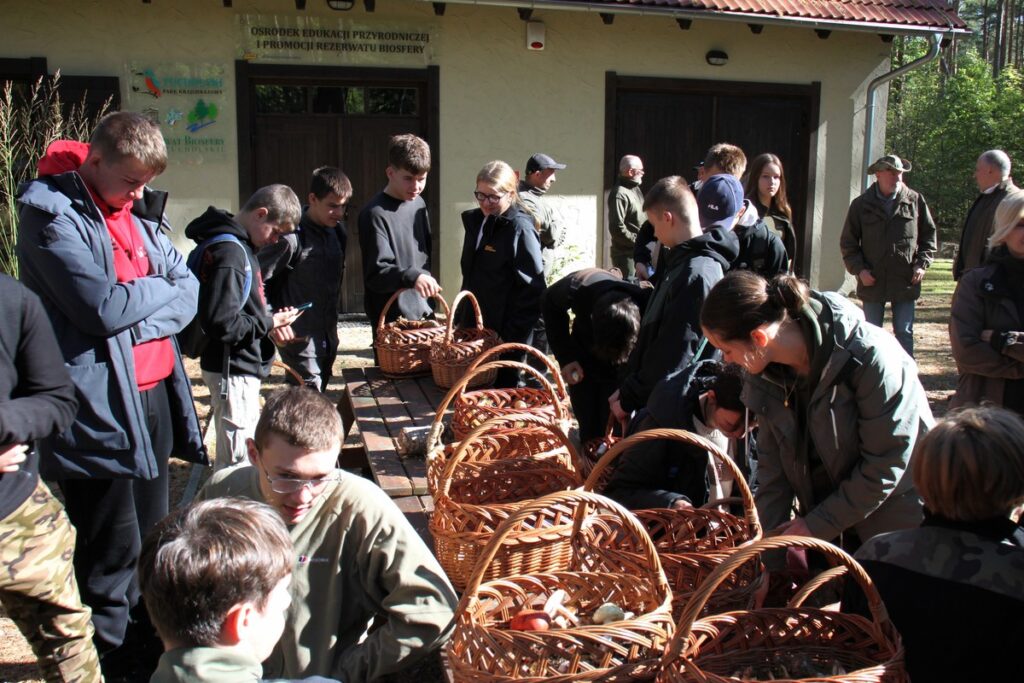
x=670, y=329
x=245, y=327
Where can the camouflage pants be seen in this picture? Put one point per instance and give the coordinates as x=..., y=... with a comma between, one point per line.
x=38, y=589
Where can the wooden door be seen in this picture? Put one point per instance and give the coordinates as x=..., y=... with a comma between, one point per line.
x=306, y=117
x=671, y=123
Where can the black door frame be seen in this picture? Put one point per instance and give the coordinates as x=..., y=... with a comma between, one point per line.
x=614, y=83
x=309, y=74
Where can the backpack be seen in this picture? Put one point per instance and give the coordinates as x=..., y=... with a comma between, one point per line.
x=193, y=339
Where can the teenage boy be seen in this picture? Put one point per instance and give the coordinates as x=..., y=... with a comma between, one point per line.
x=595, y=345
x=357, y=557
x=216, y=578
x=91, y=244
x=720, y=204
x=724, y=158
x=231, y=319
x=394, y=234
x=693, y=261
x=305, y=268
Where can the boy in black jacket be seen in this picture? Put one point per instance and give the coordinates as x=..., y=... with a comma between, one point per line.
x=37, y=583
x=691, y=263
x=306, y=267
x=246, y=327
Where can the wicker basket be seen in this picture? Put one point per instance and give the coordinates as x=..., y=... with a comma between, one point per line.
x=453, y=353
x=473, y=408
x=593, y=449
x=794, y=643
x=692, y=542
x=502, y=438
x=482, y=648
x=473, y=498
x=403, y=346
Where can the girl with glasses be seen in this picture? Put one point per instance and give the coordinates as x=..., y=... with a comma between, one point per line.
x=501, y=260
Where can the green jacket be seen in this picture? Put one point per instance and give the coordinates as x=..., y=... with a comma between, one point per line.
x=550, y=226
x=865, y=413
x=212, y=665
x=357, y=557
x=891, y=247
x=978, y=228
x=625, y=215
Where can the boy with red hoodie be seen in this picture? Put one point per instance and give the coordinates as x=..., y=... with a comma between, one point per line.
x=91, y=245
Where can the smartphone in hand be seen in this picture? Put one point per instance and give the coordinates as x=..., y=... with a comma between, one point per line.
x=304, y=307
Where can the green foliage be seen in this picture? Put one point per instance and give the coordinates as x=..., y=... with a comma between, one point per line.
x=30, y=119
x=943, y=121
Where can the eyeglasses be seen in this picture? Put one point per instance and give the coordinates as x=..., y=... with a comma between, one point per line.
x=492, y=198
x=289, y=485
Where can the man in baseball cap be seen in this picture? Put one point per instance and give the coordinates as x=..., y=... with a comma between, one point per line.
x=721, y=206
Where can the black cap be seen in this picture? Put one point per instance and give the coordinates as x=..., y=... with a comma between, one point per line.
x=540, y=162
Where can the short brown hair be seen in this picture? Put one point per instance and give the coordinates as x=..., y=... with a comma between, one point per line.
x=410, y=153
x=282, y=205
x=729, y=158
x=673, y=194
x=302, y=417
x=126, y=134
x=328, y=179
x=200, y=561
x=970, y=466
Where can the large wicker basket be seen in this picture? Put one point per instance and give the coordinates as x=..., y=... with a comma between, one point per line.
x=403, y=346
x=793, y=643
x=482, y=647
x=474, y=497
x=473, y=408
x=455, y=351
x=692, y=542
x=501, y=438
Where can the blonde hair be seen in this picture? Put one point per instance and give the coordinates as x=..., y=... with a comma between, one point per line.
x=1008, y=214
x=970, y=466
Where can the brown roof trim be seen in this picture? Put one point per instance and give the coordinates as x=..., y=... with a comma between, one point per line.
x=905, y=17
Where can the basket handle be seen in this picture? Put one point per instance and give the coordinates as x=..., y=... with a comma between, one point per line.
x=814, y=584
x=394, y=298
x=437, y=426
x=621, y=446
x=449, y=331
x=579, y=502
x=880, y=617
x=563, y=393
x=460, y=453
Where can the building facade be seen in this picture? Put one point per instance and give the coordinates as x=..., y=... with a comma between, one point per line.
x=256, y=91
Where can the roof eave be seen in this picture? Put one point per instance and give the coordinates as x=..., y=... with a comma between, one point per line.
x=718, y=15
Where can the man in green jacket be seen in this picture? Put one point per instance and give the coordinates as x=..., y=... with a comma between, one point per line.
x=356, y=555
x=888, y=243
x=626, y=213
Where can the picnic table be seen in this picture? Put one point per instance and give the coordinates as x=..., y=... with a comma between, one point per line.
x=382, y=407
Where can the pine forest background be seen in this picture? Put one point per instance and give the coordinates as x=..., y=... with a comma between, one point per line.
x=944, y=114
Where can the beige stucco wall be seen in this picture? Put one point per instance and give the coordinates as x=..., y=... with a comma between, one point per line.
x=497, y=100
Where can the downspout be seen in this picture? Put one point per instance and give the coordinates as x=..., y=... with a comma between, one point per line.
x=934, y=41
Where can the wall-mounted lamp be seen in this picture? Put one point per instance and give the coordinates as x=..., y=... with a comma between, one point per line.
x=341, y=5
x=716, y=57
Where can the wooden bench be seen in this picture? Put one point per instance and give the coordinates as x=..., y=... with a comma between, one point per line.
x=382, y=407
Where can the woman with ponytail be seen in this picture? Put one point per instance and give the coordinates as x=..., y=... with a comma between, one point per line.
x=838, y=403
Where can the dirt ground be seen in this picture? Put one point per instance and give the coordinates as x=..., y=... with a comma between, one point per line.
x=935, y=364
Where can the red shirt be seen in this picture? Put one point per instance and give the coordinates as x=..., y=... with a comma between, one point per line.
x=154, y=360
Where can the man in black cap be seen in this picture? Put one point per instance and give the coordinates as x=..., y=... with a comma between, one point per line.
x=888, y=243
x=536, y=181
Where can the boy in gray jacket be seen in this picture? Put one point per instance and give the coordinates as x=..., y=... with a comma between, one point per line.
x=357, y=557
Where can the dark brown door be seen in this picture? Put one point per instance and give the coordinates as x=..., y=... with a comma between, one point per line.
x=300, y=118
x=671, y=123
